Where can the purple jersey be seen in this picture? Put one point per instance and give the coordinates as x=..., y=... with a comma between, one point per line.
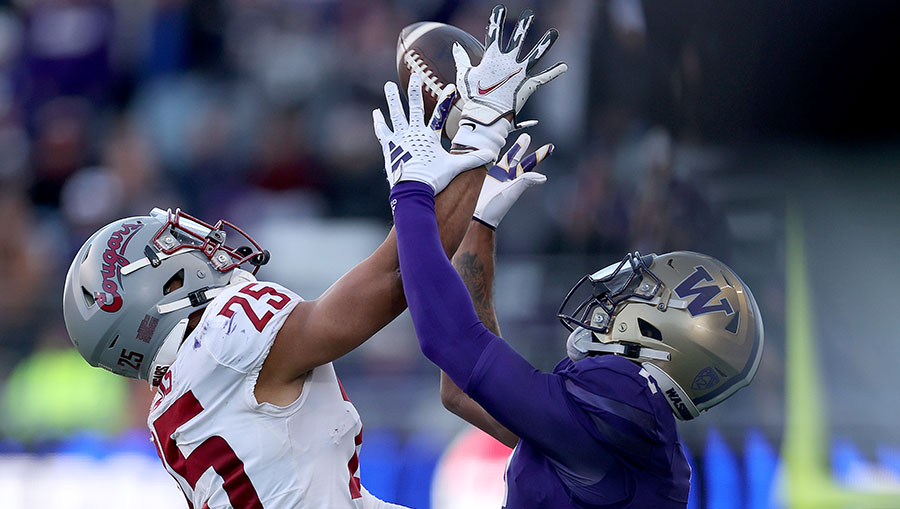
x=596, y=433
x=632, y=456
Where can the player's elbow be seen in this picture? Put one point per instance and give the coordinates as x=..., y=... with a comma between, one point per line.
x=451, y=397
x=431, y=346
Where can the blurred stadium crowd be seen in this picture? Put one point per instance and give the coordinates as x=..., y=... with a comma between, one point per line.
x=258, y=110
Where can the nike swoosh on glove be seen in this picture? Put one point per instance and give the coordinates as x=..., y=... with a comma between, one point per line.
x=500, y=83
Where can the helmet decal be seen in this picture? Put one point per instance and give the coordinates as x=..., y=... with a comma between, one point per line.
x=704, y=294
x=706, y=379
x=111, y=269
x=147, y=328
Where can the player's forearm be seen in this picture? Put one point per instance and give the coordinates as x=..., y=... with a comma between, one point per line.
x=450, y=333
x=474, y=262
x=373, y=289
x=453, y=209
x=467, y=409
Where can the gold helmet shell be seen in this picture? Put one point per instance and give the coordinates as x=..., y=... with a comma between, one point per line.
x=687, y=318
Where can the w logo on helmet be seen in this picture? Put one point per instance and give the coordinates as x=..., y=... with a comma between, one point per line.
x=704, y=294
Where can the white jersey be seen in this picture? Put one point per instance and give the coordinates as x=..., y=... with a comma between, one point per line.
x=224, y=448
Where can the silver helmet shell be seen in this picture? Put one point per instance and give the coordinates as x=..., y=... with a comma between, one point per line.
x=119, y=302
x=687, y=318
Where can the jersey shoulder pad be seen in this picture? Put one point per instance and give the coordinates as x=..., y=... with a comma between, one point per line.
x=614, y=388
x=240, y=324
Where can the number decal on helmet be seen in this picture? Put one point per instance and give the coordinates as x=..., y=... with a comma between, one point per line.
x=130, y=359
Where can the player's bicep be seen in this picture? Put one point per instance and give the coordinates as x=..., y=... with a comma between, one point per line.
x=533, y=405
x=355, y=307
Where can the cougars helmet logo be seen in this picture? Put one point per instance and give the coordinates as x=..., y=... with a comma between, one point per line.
x=111, y=269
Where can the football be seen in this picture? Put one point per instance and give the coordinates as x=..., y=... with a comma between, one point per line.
x=427, y=49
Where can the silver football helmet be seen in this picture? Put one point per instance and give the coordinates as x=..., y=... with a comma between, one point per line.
x=687, y=318
x=133, y=284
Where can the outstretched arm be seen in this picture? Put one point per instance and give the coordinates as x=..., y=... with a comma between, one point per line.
x=530, y=404
x=370, y=295
x=474, y=261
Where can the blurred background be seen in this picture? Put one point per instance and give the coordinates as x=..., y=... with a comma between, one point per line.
x=764, y=133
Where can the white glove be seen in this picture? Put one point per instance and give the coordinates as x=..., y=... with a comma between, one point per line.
x=413, y=151
x=508, y=179
x=500, y=84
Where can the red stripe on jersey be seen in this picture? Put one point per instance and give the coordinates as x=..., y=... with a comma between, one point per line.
x=213, y=452
x=353, y=464
x=343, y=392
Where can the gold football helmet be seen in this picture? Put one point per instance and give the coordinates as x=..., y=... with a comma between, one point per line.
x=686, y=317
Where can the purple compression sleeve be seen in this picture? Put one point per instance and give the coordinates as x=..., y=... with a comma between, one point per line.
x=531, y=404
x=438, y=300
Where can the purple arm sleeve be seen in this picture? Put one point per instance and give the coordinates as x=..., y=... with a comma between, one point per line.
x=438, y=300
x=531, y=404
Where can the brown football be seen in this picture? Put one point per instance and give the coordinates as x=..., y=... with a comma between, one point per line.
x=427, y=48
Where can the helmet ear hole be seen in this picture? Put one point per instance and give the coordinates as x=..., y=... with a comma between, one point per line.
x=88, y=297
x=175, y=282
x=648, y=330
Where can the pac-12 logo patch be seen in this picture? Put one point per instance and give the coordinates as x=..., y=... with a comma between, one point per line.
x=703, y=294
x=707, y=378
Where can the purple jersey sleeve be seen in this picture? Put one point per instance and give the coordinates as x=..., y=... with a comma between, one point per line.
x=449, y=331
x=533, y=405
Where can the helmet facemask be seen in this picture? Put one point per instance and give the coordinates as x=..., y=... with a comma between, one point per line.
x=610, y=288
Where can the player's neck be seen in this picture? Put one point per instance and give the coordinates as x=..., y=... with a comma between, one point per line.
x=193, y=320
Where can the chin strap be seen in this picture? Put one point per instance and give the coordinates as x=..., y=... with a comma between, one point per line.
x=581, y=342
x=200, y=297
x=167, y=352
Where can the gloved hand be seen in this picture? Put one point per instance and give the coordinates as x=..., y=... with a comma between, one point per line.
x=500, y=83
x=508, y=179
x=413, y=151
